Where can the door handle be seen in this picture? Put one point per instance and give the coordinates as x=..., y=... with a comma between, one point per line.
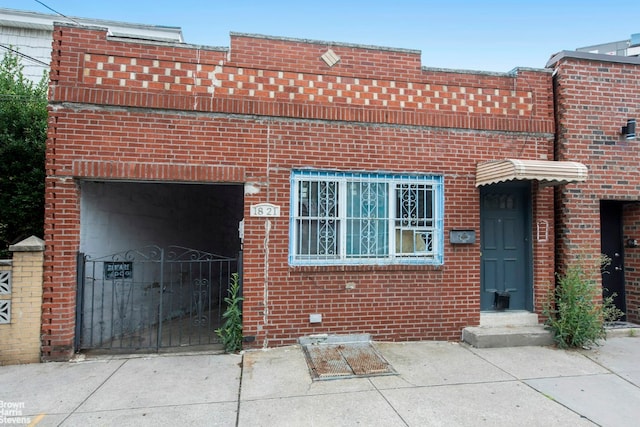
x=618, y=268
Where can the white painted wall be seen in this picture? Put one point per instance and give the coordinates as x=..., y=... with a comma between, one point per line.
x=32, y=43
x=118, y=216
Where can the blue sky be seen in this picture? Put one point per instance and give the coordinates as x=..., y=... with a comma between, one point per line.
x=463, y=34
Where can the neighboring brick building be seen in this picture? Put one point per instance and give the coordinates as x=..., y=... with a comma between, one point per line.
x=596, y=96
x=382, y=214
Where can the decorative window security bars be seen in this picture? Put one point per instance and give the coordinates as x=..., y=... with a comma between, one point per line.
x=365, y=218
x=151, y=298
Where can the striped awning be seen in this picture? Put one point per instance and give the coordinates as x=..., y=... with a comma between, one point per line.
x=546, y=171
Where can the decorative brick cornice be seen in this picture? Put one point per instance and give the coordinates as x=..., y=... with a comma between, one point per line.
x=261, y=77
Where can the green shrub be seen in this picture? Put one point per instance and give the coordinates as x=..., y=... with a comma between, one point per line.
x=576, y=310
x=231, y=330
x=23, y=133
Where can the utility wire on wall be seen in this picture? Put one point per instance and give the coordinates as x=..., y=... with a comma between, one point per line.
x=30, y=58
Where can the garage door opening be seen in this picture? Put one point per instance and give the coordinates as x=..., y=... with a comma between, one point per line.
x=155, y=263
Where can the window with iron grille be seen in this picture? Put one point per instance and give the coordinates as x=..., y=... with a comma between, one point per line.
x=365, y=218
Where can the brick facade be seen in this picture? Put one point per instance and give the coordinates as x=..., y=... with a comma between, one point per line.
x=595, y=95
x=125, y=110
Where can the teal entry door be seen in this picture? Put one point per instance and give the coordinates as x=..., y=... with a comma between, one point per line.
x=505, y=244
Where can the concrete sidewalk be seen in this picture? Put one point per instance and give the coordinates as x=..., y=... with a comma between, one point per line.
x=437, y=383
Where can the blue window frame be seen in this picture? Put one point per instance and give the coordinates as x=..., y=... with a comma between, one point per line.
x=365, y=218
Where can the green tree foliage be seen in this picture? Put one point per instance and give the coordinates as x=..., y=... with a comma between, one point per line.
x=23, y=134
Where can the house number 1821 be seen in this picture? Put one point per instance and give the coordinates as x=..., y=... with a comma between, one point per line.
x=265, y=210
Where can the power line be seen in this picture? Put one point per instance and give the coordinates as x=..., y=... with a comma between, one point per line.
x=31, y=58
x=56, y=12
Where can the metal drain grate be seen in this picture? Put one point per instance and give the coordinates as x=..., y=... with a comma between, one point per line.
x=345, y=360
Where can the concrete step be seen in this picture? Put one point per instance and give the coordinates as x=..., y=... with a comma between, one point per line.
x=507, y=329
x=622, y=329
x=508, y=318
x=507, y=336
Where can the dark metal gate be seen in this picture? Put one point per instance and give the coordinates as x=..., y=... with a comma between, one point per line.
x=151, y=298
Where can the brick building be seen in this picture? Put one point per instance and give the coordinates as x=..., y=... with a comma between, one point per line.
x=598, y=103
x=364, y=192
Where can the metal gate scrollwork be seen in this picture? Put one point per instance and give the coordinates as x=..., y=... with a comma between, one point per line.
x=151, y=298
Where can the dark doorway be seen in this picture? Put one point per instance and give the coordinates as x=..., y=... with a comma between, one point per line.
x=172, y=249
x=612, y=245
x=505, y=217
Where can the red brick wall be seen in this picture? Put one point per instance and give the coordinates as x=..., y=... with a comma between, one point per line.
x=594, y=100
x=265, y=107
x=543, y=247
